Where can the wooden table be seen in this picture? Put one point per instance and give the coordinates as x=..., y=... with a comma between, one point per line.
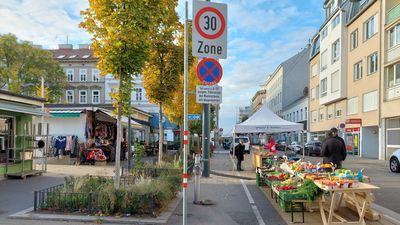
x=361, y=204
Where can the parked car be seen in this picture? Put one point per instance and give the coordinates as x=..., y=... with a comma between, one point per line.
x=246, y=142
x=394, y=161
x=313, y=148
x=281, y=145
x=294, y=146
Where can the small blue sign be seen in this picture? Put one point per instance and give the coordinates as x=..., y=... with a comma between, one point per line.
x=194, y=117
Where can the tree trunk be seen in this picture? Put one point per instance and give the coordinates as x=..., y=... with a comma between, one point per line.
x=160, y=134
x=119, y=135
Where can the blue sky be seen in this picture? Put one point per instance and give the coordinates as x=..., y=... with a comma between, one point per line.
x=261, y=34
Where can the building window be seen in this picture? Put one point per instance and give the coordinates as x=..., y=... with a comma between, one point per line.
x=354, y=39
x=317, y=90
x=82, y=75
x=305, y=113
x=335, y=51
x=370, y=101
x=95, y=75
x=357, y=74
x=69, y=96
x=394, y=36
x=370, y=27
x=352, y=106
x=313, y=93
x=301, y=114
x=393, y=75
x=82, y=97
x=324, y=60
x=338, y=110
x=139, y=94
x=321, y=114
x=335, y=82
x=393, y=132
x=297, y=115
x=372, y=66
x=324, y=86
x=335, y=21
x=95, y=96
x=314, y=70
x=324, y=33
x=314, y=116
x=70, y=75
x=330, y=112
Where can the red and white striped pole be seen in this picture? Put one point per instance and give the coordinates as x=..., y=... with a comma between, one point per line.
x=185, y=115
x=185, y=143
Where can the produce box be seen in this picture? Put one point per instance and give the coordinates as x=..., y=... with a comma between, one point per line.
x=269, y=182
x=288, y=206
x=273, y=162
x=292, y=195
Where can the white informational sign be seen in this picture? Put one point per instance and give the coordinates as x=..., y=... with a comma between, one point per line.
x=209, y=30
x=208, y=94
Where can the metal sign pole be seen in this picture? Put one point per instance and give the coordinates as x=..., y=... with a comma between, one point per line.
x=185, y=115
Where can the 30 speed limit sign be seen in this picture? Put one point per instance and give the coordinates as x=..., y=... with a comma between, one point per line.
x=209, y=30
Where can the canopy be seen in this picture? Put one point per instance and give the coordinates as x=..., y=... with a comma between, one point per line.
x=265, y=121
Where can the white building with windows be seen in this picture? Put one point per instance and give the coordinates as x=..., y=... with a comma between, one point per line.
x=138, y=96
x=297, y=112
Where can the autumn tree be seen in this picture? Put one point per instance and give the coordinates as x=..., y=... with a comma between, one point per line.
x=22, y=67
x=164, y=63
x=121, y=30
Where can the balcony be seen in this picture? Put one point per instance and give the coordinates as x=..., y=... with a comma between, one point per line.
x=393, y=14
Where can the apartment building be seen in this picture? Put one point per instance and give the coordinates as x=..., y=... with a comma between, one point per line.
x=138, y=96
x=85, y=84
x=245, y=112
x=347, y=93
x=258, y=99
x=288, y=82
x=390, y=78
x=297, y=112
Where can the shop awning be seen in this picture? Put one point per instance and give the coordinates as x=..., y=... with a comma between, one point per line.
x=20, y=108
x=65, y=113
x=124, y=119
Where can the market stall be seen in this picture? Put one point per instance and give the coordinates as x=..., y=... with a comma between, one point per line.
x=266, y=122
x=296, y=185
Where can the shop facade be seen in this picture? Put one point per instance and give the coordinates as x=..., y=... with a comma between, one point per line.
x=17, y=130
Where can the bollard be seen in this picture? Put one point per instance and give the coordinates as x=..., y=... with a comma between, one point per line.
x=197, y=173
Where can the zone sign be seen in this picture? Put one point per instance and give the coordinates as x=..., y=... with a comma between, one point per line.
x=209, y=30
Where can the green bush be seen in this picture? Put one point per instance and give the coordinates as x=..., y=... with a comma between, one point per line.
x=161, y=186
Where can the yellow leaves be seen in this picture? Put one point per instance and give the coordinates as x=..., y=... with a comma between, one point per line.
x=47, y=92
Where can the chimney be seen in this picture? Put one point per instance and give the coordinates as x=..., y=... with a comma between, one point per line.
x=65, y=46
x=83, y=46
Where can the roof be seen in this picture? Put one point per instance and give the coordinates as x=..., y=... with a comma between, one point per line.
x=85, y=106
x=358, y=8
x=65, y=54
x=5, y=92
x=265, y=121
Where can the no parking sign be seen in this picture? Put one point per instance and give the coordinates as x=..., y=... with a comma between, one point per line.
x=209, y=33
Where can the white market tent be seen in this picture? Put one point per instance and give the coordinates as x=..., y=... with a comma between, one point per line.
x=265, y=121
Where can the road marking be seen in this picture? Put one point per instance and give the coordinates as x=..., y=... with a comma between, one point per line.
x=250, y=198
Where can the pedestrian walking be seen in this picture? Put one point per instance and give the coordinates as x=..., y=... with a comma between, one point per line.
x=239, y=153
x=334, y=132
x=333, y=149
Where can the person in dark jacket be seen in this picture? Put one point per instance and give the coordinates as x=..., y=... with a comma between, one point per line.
x=239, y=153
x=332, y=151
x=334, y=132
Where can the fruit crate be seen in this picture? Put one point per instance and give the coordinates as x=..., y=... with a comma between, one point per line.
x=269, y=182
x=291, y=195
x=273, y=162
x=289, y=206
x=260, y=180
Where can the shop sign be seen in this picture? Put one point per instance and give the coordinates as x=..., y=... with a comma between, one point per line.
x=357, y=129
x=349, y=130
x=354, y=121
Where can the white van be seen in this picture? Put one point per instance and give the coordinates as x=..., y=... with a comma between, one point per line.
x=246, y=142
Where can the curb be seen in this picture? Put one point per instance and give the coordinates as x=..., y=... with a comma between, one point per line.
x=163, y=218
x=231, y=176
x=390, y=215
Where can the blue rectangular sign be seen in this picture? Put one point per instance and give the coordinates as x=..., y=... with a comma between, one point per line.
x=194, y=117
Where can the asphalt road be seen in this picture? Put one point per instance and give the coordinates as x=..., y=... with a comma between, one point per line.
x=231, y=203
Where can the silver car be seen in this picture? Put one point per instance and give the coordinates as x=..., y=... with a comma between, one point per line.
x=394, y=161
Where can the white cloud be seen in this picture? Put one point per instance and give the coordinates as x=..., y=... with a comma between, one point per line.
x=44, y=22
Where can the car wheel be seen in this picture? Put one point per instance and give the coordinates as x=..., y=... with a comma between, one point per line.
x=394, y=165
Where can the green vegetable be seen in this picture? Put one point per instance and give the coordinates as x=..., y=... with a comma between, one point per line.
x=309, y=189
